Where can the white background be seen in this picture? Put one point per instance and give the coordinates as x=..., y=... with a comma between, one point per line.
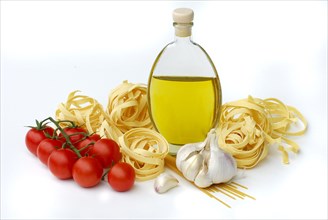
x=260, y=48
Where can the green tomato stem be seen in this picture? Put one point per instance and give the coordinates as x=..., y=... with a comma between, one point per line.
x=64, y=135
x=87, y=146
x=105, y=173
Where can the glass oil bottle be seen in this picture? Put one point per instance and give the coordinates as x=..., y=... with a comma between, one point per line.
x=184, y=91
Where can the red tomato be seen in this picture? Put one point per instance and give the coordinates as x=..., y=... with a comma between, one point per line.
x=34, y=136
x=106, y=151
x=121, y=177
x=95, y=137
x=46, y=147
x=89, y=141
x=61, y=162
x=83, y=145
x=75, y=134
x=87, y=172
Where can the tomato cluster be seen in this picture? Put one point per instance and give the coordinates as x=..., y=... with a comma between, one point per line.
x=71, y=152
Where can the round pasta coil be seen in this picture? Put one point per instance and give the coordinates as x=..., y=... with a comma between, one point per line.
x=127, y=107
x=145, y=150
x=83, y=110
x=247, y=128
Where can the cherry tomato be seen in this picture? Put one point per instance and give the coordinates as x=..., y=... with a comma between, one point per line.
x=95, y=137
x=87, y=172
x=61, y=162
x=75, y=134
x=106, y=151
x=83, y=145
x=35, y=135
x=46, y=147
x=89, y=141
x=121, y=177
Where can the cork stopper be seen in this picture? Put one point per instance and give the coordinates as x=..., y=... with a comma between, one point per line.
x=183, y=15
x=183, y=18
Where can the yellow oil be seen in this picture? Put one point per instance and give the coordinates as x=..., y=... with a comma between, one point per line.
x=184, y=109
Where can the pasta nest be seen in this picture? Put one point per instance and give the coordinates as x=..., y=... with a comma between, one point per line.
x=83, y=110
x=247, y=127
x=145, y=150
x=127, y=107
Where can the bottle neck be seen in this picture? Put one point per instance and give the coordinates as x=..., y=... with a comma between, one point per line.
x=183, y=30
x=182, y=40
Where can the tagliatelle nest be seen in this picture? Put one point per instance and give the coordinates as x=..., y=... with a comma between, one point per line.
x=127, y=107
x=83, y=110
x=145, y=150
x=248, y=126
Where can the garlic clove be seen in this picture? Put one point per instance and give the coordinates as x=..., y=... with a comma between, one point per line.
x=191, y=167
x=165, y=182
x=203, y=178
x=228, y=168
x=222, y=166
x=186, y=151
x=216, y=161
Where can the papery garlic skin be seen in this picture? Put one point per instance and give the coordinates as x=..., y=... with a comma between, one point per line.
x=204, y=163
x=188, y=151
x=192, y=168
x=224, y=168
x=165, y=182
x=203, y=180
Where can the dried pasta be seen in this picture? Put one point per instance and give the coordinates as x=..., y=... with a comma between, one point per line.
x=83, y=110
x=109, y=130
x=145, y=150
x=247, y=127
x=127, y=107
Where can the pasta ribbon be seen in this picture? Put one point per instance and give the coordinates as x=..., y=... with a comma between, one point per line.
x=145, y=150
x=247, y=127
x=127, y=107
x=83, y=110
x=109, y=130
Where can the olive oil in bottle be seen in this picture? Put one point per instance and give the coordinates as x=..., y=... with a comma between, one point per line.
x=184, y=91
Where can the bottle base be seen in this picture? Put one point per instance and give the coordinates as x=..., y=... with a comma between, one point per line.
x=173, y=149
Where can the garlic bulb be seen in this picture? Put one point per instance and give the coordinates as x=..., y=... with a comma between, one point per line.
x=165, y=182
x=205, y=163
